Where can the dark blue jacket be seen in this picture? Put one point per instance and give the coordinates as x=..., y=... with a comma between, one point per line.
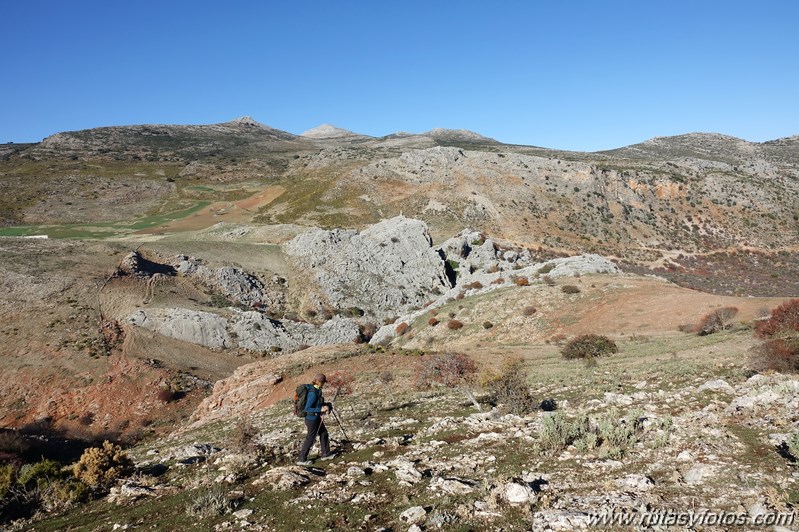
x=313, y=403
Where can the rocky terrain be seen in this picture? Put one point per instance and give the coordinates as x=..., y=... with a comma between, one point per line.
x=188, y=278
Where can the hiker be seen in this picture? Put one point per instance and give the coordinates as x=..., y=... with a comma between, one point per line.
x=315, y=407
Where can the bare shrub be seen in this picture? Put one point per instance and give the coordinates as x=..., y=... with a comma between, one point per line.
x=570, y=289
x=454, y=325
x=589, y=346
x=432, y=322
x=529, y=311
x=402, y=328
x=475, y=285
x=498, y=280
x=459, y=296
x=244, y=436
x=549, y=280
x=453, y=370
x=100, y=466
x=521, y=281
x=509, y=387
x=715, y=321
x=341, y=382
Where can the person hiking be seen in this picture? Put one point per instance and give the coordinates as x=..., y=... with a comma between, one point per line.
x=315, y=407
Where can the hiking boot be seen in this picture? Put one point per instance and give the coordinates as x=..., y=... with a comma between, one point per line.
x=328, y=456
x=305, y=463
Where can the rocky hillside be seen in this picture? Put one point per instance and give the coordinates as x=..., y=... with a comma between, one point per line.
x=692, y=193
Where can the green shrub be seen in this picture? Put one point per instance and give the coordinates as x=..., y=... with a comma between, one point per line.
x=31, y=475
x=558, y=431
x=792, y=444
x=589, y=346
x=100, y=466
x=570, y=289
x=546, y=268
x=209, y=502
x=7, y=474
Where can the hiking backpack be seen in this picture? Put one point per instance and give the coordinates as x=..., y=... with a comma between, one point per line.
x=300, y=398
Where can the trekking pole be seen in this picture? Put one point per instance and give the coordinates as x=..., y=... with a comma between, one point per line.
x=338, y=420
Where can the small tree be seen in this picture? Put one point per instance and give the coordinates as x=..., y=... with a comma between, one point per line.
x=454, y=370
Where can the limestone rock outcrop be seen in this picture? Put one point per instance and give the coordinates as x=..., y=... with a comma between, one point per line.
x=384, y=270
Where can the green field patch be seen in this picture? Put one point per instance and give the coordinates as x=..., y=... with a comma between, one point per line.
x=160, y=219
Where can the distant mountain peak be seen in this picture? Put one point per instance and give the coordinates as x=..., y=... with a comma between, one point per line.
x=327, y=131
x=461, y=134
x=245, y=121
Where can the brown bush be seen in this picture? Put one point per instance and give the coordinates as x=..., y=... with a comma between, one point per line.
x=459, y=296
x=453, y=370
x=473, y=285
x=549, y=280
x=402, y=328
x=100, y=466
x=570, y=289
x=165, y=394
x=521, y=281
x=454, y=325
x=529, y=311
x=780, y=350
x=498, y=280
x=715, y=321
x=777, y=354
x=432, y=322
x=487, y=325
x=783, y=318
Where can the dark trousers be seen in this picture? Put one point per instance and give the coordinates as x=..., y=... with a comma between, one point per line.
x=315, y=427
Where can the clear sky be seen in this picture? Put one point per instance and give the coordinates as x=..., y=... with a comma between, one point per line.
x=582, y=75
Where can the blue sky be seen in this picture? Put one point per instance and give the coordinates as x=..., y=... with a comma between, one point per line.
x=582, y=75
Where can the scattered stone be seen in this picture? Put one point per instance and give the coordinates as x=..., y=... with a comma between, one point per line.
x=635, y=483
x=243, y=514
x=516, y=493
x=718, y=385
x=415, y=515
